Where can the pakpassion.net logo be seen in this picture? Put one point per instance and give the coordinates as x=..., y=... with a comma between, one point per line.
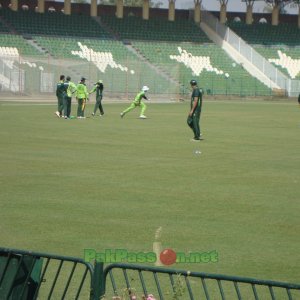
x=166, y=257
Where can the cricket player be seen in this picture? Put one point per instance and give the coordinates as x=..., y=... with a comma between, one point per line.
x=138, y=102
x=82, y=97
x=60, y=94
x=193, y=119
x=71, y=89
x=98, y=88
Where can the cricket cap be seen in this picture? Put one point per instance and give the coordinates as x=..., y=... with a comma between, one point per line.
x=145, y=88
x=193, y=82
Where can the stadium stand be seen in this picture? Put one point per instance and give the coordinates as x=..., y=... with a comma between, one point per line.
x=58, y=24
x=287, y=59
x=175, y=54
x=135, y=28
x=208, y=63
x=3, y=27
x=279, y=44
x=17, y=41
x=266, y=34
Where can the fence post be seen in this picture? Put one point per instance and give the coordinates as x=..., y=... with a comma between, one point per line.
x=98, y=283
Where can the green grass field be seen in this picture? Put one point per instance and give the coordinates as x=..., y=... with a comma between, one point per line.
x=109, y=183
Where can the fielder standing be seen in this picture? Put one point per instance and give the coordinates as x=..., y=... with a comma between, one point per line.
x=98, y=88
x=82, y=97
x=60, y=94
x=71, y=89
x=193, y=119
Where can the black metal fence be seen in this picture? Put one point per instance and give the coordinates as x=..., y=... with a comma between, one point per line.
x=26, y=275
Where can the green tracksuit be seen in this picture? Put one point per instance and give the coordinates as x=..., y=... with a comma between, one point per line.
x=99, y=94
x=70, y=90
x=137, y=102
x=82, y=96
x=194, y=120
x=60, y=94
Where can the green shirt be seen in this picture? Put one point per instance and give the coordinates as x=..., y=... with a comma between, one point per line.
x=98, y=88
x=71, y=88
x=60, y=89
x=197, y=93
x=139, y=96
x=81, y=91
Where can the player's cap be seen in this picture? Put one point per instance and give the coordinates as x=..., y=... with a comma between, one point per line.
x=100, y=81
x=68, y=78
x=193, y=82
x=145, y=88
x=82, y=79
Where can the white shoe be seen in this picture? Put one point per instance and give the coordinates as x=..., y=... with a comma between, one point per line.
x=122, y=115
x=143, y=117
x=57, y=113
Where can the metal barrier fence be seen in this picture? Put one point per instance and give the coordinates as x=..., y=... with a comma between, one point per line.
x=28, y=275
x=31, y=275
x=125, y=279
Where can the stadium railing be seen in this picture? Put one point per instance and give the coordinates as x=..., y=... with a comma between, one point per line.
x=251, y=55
x=33, y=275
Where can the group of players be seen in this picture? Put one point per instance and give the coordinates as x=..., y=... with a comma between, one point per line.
x=66, y=89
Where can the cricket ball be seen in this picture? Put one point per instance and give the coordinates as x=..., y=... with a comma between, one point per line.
x=168, y=257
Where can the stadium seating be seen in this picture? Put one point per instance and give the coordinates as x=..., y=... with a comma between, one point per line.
x=172, y=56
x=16, y=41
x=266, y=34
x=208, y=63
x=135, y=28
x=279, y=44
x=3, y=27
x=287, y=59
x=28, y=22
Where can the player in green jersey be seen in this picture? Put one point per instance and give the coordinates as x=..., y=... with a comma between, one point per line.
x=70, y=90
x=138, y=102
x=82, y=97
x=193, y=119
x=60, y=94
x=98, y=88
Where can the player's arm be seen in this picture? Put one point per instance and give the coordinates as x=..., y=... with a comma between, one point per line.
x=86, y=93
x=57, y=89
x=195, y=103
x=144, y=97
x=73, y=88
x=93, y=90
